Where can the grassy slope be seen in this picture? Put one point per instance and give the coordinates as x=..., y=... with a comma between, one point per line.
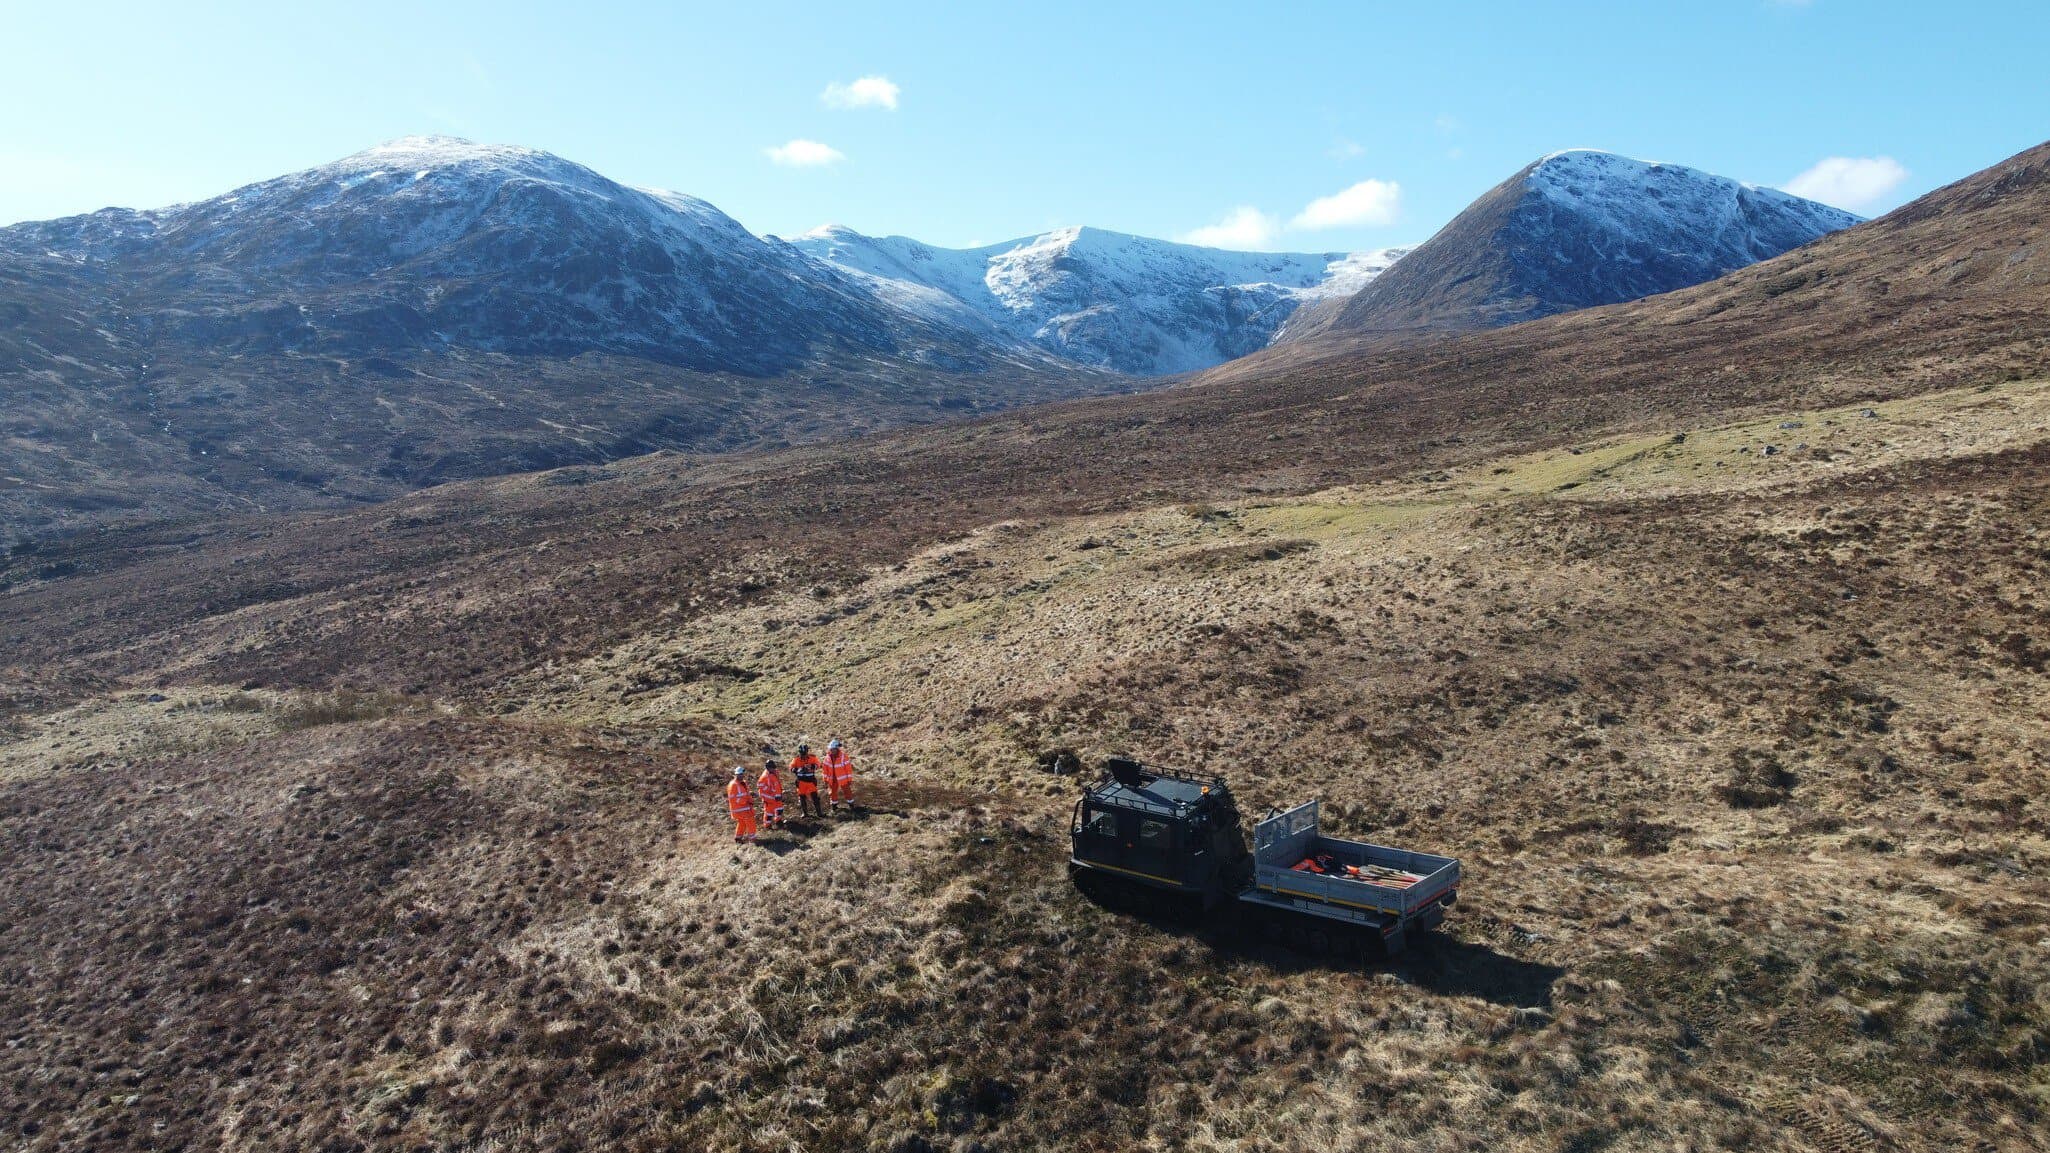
x=491, y=579
x=1745, y=753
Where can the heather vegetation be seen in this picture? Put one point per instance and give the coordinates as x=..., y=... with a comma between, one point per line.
x=1750, y=836
x=1705, y=631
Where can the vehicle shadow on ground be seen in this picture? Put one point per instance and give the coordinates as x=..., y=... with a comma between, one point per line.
x=1433, y=961
x=1458, y=968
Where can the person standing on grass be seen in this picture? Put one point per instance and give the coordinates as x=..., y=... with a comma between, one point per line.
x=805, y=767
x=769, y=786
x=839, y=775
x=740, y=802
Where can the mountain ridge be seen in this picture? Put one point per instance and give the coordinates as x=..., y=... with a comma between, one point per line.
x=431, y=309
x=1947, y=291
x=1114, y=300
x=513, y=250
x=1581, y=228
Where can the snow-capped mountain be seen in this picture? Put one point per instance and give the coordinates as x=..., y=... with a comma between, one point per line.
x=1582, y=228
x=431, y=308
x=432, y=240
x=1127, y=303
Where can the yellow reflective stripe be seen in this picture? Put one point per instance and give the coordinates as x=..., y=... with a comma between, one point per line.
x=1327, y=900
x=1136, y=873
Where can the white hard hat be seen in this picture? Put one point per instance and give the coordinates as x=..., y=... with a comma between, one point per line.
x=739, y=771
x=834, y=743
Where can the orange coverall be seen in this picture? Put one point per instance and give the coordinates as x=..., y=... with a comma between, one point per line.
x=839, y=777
x=770, y=787
x=741, y=803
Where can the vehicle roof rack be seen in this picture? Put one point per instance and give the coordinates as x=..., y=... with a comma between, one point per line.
x=1127, y=771
x=1132, y=784
x=1135, y=774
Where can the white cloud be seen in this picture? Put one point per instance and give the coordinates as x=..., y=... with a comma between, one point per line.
x=1346, y=150
x=1368, y=202
x=1447, y=124
x=1244, y=228
x=867, y=92
x=805, y=154
x=1849, y=182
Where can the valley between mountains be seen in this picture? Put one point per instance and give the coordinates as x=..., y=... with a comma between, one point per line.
x=432, y=309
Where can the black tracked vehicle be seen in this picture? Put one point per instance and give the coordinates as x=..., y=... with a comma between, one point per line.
x=1160, y=843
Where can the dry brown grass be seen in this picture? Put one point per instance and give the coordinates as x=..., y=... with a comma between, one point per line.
x=341, y=707
x=1745, y=753
x=1744, y=766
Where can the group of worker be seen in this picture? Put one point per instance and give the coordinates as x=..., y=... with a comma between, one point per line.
x=762, y=805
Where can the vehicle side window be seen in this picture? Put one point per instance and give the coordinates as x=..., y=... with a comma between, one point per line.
x=1154, y=834
x=1102, y=822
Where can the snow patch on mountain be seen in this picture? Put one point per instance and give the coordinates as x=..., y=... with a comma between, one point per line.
x=1128, y=303
x=1354, y=271
x=1638, y=201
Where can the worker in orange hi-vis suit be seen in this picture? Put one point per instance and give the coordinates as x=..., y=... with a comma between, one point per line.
x=769, y=787
x=740, y=801
x=805, y=767
x=839, y=774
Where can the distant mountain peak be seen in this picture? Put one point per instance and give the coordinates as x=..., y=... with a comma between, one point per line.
x=426, y=241
x=415, y=153
x=1591, y=158
x=454, y=166
x=1578, y=168
x=1583, y=227
x=1108, y=299
x=826, y=232
x=440, y=145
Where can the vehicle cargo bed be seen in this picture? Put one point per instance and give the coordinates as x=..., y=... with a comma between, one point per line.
x=1283, y=841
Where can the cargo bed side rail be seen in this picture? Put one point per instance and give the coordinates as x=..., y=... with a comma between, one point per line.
x=1284, y=838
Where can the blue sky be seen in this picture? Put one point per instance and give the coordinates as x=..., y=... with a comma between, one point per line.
x=1285, y=126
